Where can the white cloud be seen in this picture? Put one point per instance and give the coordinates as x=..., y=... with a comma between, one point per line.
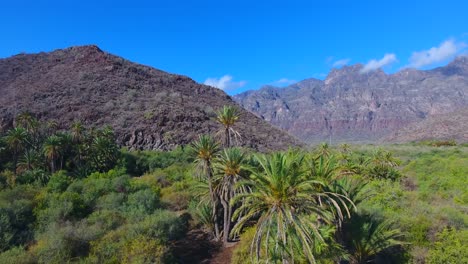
x=224, y=83
x=446, y=50
x=319, y=75
x=341, y=63
x=284, y=81
x=372, y=65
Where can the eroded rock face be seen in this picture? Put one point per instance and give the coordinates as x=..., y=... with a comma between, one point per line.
x=147, y=108
x=360, y=107
x=451, y=126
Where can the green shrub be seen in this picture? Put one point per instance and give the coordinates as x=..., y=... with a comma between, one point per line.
x=449, y=247
x=111, y=201
x=142, y=203
x=17, y=255
x=59, y=182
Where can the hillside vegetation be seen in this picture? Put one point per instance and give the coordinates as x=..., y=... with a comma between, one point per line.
x=73, y=196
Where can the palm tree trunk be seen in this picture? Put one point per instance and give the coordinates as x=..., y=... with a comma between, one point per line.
x=15, y=162
x=227, y=142
x=226, y=221
x=214, y=214
x=52, y=166
x=214, y=202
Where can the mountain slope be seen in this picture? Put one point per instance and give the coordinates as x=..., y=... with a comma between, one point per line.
x=350, y=105
x=444, y=127
x=148, y=108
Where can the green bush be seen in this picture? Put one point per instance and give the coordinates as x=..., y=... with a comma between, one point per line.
x=59, y=182
x=449, y=247
x=142, y=203
x=17, y=255
x=111, y=201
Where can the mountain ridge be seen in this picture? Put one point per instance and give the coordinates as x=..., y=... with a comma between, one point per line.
x=349, y=105
x=148, y=108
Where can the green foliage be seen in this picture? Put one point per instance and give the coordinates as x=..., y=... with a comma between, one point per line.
x=112, y=206
x=365, y=236
x=141, y=203
x=17, y=255
x=450, y=247
x=59, y=182
x=141, y=242
x=16, y=216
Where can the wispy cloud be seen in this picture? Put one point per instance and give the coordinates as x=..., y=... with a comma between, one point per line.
x=444, y=51
x=341, y=63
x=372, y=65
x=284, y=81
x=319, y=75
x=224, y=83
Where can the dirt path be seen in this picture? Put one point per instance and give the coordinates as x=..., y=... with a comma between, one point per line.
x=224, y=255
x=198, y=248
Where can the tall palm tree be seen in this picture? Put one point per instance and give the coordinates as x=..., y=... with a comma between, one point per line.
x=228, y=167
x=66, y=142
x=52, y=147
x=16, y=140
x=205, y=150
x=77, y=132
x=27, y=121
x=285, y=199
x=227, y=117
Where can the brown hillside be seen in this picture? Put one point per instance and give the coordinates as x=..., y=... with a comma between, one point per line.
x=148, y=108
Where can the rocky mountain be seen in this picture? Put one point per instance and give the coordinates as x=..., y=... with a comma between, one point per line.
x=355, y=106
x=451, y=126
x=148, y=108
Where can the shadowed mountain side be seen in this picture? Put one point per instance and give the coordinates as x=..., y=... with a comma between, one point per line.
x=147, y=108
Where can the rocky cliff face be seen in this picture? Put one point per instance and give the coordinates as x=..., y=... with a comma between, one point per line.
x=451, y=126
x=360, y=107
x=148, y=108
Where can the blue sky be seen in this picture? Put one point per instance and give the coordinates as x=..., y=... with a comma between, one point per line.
x=239, y=45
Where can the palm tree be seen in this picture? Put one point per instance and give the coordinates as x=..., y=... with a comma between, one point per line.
x=104, y=152
x=77, y=132
x=27, y=121
x=227, y=117
x=205, y=150
x=52, y=147
x=31, y=159
x=324, y=167
x=16, y=140
x=285, y=199
x=324, y=149
x=365, y=236
x=381, y=157
x=228, y=167
x=66, y=142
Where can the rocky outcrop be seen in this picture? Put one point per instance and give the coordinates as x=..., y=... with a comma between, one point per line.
x=147, y=108
x=353, y=106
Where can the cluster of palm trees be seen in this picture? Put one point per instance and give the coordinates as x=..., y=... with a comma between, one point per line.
x=38, y=149
x=303, y=206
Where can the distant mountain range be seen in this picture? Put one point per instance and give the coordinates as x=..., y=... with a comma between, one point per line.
x=352, y=106
x=148, y=108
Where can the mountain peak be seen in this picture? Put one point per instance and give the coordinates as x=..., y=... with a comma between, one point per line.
x=351, y=72
x=147, y=108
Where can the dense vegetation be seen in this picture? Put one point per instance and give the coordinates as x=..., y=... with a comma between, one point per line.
x=70, y=195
